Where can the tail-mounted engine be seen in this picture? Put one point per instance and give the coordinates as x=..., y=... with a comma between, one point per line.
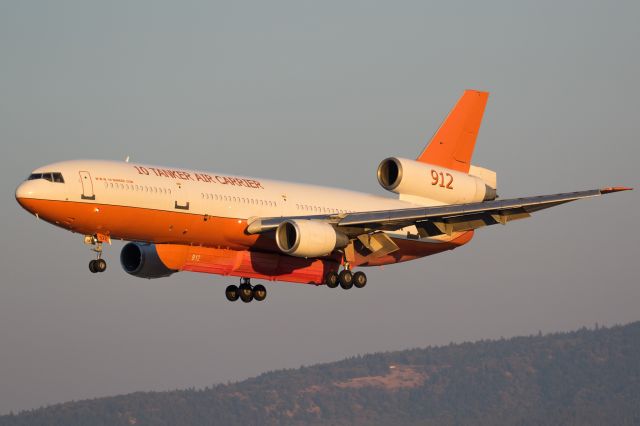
x=308, y=238
x=409, y=177
x=142, y=260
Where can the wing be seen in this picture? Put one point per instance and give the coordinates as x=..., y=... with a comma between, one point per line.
x=432, y=221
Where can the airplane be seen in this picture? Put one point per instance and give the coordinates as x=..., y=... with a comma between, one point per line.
x=188, y=220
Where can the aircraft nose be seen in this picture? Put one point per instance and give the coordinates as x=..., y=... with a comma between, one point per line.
x=23, y=190
x=26, y=190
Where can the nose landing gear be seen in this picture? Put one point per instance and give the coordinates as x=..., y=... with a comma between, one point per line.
x=98, y=264
x=246, y=292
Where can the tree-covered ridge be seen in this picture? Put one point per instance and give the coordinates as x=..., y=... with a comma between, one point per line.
x=582, y=377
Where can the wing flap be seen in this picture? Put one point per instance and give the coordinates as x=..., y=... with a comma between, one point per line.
x=378, y=243
x=432, y=228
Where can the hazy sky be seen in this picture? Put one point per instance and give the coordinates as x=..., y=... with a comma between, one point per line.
x=314, y=92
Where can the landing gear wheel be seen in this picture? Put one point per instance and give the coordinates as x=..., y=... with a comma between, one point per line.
x=259, y=292
x=232, y=293
x=331, y=279
x=92, y=266
x=100, y=265
x=359, y=279
x=246, y=293
x=346, y=279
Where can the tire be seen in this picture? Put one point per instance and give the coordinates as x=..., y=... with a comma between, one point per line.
x=93, y=267
x=359, y=279
x=346, y=279
x=259, y=293
x=232, y=293
x=331, y=279
x=101, y=265
x=246, y=293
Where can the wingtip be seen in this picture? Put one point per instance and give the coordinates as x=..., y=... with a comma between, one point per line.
x=615, y=189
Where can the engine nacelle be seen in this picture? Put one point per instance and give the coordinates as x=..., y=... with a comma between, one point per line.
x=410, y=177
x=142, y=260
x=308, y=238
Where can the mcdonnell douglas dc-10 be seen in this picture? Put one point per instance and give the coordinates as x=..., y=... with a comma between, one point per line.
x=186, y=220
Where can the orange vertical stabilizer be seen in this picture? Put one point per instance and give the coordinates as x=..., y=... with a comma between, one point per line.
x=453, y=143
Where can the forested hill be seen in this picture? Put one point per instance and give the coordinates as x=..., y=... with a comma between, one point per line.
x=582, y=377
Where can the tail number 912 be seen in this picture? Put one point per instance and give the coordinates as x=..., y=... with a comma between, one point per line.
x=444, y=180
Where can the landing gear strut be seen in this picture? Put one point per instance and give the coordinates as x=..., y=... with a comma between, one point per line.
x=246, y=292
x=98, y=264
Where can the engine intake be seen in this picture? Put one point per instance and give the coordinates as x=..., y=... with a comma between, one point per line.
x=308, y=238
x=142, y=260
x=427, y=181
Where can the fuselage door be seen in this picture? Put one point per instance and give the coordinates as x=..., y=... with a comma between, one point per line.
x=87, y=186
x=181, y=197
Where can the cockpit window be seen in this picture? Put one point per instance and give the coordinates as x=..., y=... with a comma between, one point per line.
x=51, y=177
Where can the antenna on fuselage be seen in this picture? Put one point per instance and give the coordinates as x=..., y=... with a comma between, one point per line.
x=126, y=160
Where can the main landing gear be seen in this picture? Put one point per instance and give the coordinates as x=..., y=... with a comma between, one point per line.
x=98, y=264
x=345, y=279
x=246, y=292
